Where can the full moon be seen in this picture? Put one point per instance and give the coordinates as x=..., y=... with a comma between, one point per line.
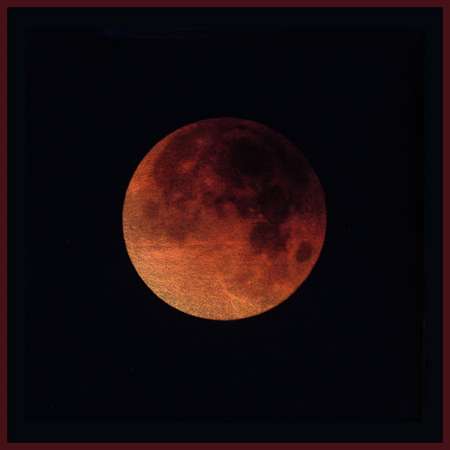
x=224, y=218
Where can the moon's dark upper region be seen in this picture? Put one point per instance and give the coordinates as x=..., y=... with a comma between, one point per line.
x=232, y=204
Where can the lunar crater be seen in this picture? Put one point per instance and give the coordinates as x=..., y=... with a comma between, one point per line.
x=304, y=251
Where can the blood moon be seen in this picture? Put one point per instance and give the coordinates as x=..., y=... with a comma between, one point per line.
x=224, y=218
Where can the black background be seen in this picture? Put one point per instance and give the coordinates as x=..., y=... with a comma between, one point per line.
x=94, y=91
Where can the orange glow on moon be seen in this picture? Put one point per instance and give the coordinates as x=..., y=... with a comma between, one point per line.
x=224, y=219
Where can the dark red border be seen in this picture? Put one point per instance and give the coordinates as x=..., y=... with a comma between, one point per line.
x=445, y=4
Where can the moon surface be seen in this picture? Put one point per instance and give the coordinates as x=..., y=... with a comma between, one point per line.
x=224, y=218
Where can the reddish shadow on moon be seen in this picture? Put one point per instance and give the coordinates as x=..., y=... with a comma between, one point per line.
x=224, y=218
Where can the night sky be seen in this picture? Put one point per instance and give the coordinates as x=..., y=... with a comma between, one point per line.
x=98, y=90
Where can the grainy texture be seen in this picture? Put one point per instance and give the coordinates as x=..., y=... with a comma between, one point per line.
x=224, y=218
